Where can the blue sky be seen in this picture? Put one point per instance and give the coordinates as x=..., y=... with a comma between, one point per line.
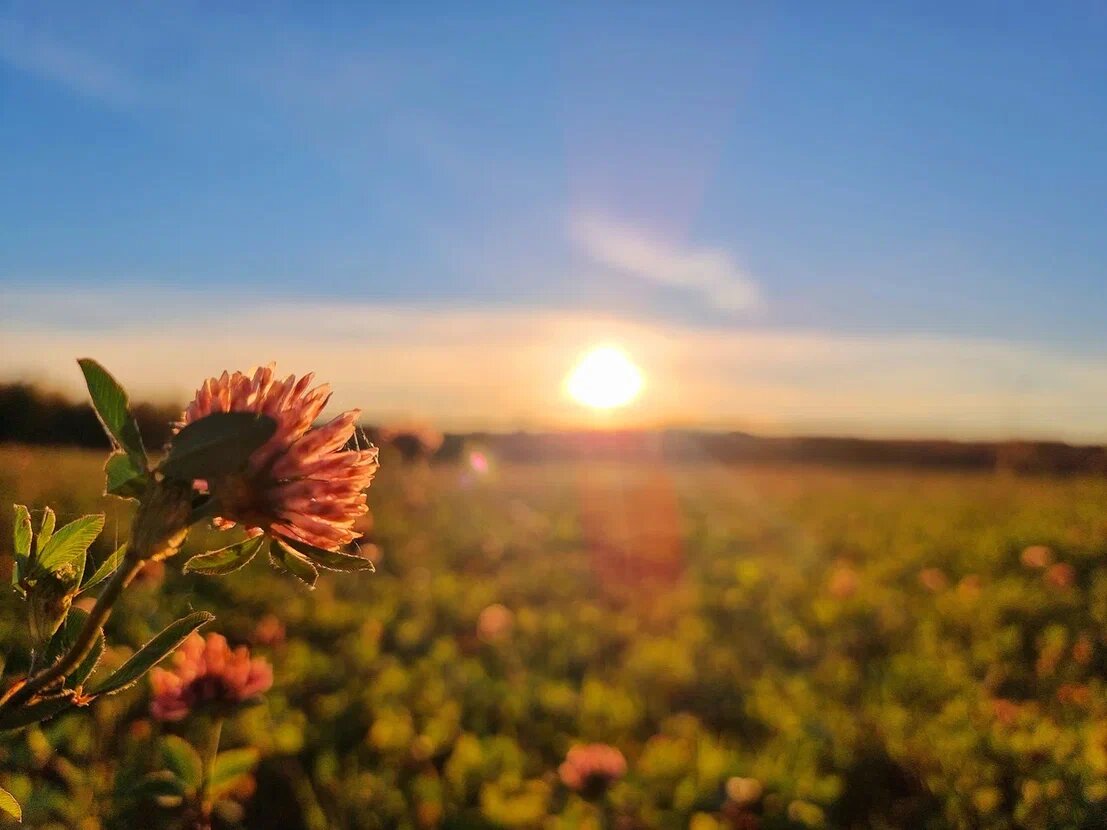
x=862, y=173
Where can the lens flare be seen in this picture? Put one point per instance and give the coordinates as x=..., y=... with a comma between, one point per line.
x=605, y=378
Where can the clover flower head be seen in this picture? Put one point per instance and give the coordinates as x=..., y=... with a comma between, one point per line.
x=592, y=767
x=302, y=484
x=207, y=673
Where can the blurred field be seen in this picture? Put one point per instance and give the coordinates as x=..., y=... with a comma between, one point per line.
x=870, y=646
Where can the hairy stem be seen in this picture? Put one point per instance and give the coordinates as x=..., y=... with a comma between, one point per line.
x=159, y=529
x=84, y=642
x=211, y=755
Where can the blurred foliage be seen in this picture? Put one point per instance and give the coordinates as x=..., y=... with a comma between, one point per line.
x=867, y=647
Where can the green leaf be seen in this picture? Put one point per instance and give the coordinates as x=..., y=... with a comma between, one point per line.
x=87, y=666
x=36, y=712
x=160, y=784
x=69, y=545
x=110, y=402
x=217, y=445
x=46, y=529
x=152, y=653
x=333, y=560
x=65, y=636
x=226, y=560
x=230, y=766
x=107, y=568
x=9, y=805
x=287, y=560
x=21, y=542
x=183, y=761
x=48, y=604
x=125, y=478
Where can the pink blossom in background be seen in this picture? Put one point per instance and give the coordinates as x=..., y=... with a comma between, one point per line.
x=843, y=581
x=269, y=631
x=207, y=672
x=302, y=484
x=933, y=579
x=1061, y=575
x=591, y=766
x=495, y=623
x=1036, y=556
x=744, y=791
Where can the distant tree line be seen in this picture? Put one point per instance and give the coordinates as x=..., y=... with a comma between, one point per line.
x=682, y=446
x=29, y=415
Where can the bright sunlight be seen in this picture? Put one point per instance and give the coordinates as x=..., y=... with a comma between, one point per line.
x=605, y=378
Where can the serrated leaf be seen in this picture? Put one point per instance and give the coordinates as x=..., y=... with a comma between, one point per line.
x=36, y=712
x=21, y=542
x=152, y=653
x=124, y=477
x=333, y=560
x=46, y=529
x=10, y=806
x=110, y=402
x=225, y=560
x=107, y=568
x=287, y=560
x=217, y=445
x=159, y=785
x=183, y=761
x=68, y=546
x=230, y=766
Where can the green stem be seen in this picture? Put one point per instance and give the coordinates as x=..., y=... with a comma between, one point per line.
x=159, y=529
x=99, y=614
x=210, y=757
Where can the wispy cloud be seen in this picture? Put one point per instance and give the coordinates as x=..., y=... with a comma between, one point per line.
x=32, y=51
x=503, y=367
x=709, y=272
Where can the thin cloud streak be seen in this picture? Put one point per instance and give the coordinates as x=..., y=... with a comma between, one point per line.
x=34, y=52
x=504, y=368
x=709, y=272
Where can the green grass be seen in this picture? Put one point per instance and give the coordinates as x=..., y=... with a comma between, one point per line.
x=867, y=644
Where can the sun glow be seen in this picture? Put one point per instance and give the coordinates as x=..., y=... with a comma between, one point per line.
x=605, y=378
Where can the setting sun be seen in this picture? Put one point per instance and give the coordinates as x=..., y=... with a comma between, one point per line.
x=605, y=378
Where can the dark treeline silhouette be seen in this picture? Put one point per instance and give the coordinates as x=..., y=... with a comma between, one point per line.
x=736, y=447
x=32, y=416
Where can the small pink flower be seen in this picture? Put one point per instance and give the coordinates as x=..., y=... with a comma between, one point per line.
x=1061, y=575
x=591, y=768
x=843, y=581
x=1036, y=556
x=269, y=631
x=495, y=623
x=207, y=673
x=1006, y=711
x=933, y=579
x=1083, y=649
x=302, y=484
